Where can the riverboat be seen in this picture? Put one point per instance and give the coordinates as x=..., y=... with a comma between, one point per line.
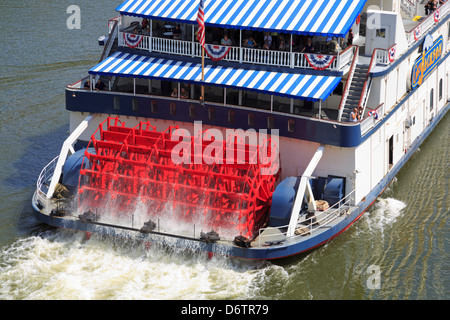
x=255, y=129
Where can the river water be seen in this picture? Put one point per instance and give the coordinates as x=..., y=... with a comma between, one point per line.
x=398, y=250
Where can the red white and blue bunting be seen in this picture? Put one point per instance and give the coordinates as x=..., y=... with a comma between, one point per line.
x=437, y=15
x=417, y=33
x=215, y=52
x=318, y=61
x=132, y=40
x=373, y=113
x=392, y=52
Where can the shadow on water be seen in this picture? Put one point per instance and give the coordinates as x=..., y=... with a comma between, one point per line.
x=39, y=151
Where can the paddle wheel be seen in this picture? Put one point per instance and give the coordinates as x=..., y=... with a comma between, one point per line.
x=140, y=168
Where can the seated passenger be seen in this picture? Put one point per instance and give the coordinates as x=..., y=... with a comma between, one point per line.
x=226, y=41
x=174, y=93
x=184, y=94
x=100, y=85
x=308, y=47
x=87, y=84
x=250, y=43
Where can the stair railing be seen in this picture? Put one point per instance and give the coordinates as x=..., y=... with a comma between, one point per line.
x=367, y=83
x=349, y=81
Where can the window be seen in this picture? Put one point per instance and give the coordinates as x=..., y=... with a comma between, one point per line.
x=251, y=120
x=154, y=106
x=381, y=33
x=431, y=99
x=192, y=111
x=173, y=108
x=116, y=103
x=440, y=89
x=270, y=122
x=211, y=114
x=134, y=104
x=291, y=125
x=230, y=116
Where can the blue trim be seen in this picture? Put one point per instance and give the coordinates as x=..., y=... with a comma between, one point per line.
x=346, y=135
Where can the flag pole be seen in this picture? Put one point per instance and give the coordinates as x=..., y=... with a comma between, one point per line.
x=202, y=97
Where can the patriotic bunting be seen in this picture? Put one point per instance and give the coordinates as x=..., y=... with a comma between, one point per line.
x=216, y=52
x=318, y=61
x=392, y=52
x=417, y=33
x=373, y=113
x=132, y=40
x=437, y=15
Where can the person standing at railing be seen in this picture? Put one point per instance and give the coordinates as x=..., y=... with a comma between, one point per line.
x=177, y=32
x=350, y=38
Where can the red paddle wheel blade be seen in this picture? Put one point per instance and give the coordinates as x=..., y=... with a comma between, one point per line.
x=139, y=168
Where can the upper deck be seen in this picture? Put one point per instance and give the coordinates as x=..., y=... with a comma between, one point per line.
x=159, y=60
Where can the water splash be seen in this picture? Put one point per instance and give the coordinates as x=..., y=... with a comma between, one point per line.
x=384, y=213
x=62, y=265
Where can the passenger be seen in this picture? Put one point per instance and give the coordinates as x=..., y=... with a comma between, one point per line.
x=354, y=115
x=281, y=43
x=250, y=43
x=267, y=41
x=174, y=93
x=184, y=94
x=87, y=84
x=100, y=85
x=350, y=38
x=145, y=24
x=226, y=41
x=177, y=33
x=309, y=47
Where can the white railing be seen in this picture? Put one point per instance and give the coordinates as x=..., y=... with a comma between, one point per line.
x=321, y=220
x=44, y=180
x=370, y=121
x=239, y=54
x=417, y=32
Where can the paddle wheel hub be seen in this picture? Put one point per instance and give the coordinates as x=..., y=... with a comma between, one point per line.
x=135, y=176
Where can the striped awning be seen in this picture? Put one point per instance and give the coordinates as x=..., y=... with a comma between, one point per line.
x=293, y=85
x=307, y=17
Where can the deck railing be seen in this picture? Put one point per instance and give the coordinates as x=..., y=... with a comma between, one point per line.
x=418, y=31
x=241, y=54
x=43, y=183
x=322, y=219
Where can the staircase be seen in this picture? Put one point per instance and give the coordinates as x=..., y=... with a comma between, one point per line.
x=355, y=91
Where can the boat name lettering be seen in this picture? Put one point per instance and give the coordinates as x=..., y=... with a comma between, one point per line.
x=426, y=63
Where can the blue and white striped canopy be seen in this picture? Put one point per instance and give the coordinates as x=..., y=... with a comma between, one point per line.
x=308, y=17
x=298, y=86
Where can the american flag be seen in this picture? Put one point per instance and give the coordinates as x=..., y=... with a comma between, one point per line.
x=201, y=24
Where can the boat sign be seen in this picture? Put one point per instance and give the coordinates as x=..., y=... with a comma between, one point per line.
x=426, y=63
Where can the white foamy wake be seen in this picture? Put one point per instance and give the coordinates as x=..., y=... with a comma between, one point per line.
x=384, y=213
x=61, y=265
